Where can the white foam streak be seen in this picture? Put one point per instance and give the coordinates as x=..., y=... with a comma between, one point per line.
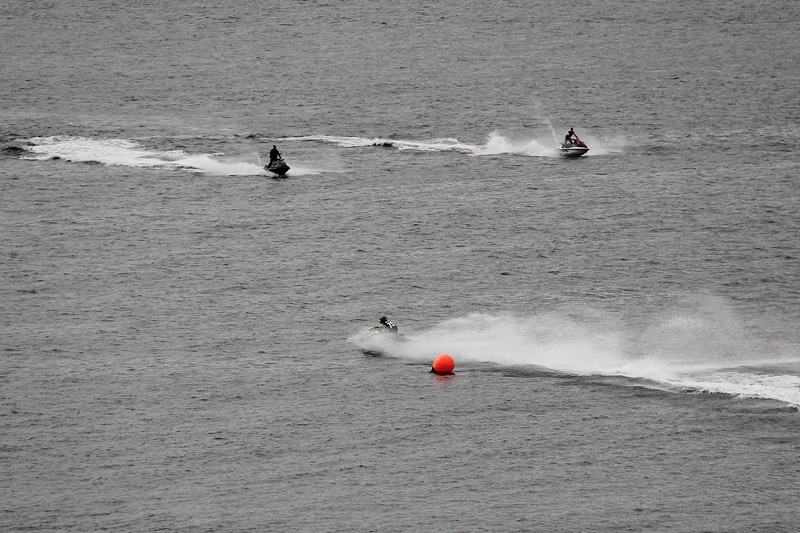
x=123, y=152
x=496, y=144
x=692, y=352
x=509, y=341
x=434, y=145
x=118, y=152
x=210, y=165
x=784, y=388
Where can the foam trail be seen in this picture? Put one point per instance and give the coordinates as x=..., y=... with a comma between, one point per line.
x=703, y=349
x=434, y=145
x=495, y=144
x=127, y=153
x=784, y=388
x=113, y=152
x=506, y=340
x=230, y=167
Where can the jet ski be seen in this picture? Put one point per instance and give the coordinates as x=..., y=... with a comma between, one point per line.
x=573, y=149
x=380, y=331
x=278, y=167
x=377, y=339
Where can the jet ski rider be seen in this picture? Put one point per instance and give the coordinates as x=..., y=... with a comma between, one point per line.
x=274, y=154
x=388, y=325
x=571, y=135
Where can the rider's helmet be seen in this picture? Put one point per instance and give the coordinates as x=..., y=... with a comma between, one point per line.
x=383, y=320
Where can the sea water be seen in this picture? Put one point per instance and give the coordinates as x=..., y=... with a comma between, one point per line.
x=182, y=333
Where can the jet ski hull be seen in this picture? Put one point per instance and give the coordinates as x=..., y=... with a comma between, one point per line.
x=378, y=331
x=278, y=167
x=377, y=340
x=576, y=149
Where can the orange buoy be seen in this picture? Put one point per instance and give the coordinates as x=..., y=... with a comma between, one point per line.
x=444, y=364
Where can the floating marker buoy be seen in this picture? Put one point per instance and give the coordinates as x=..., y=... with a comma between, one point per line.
x=444, y=364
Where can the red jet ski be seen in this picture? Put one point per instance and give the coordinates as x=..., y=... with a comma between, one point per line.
x=575, y=148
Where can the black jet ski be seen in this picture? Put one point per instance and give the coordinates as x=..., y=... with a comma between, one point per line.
x=573, y=149
x=278, y=167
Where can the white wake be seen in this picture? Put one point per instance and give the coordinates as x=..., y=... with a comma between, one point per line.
x=127, y=153
x=697, y=351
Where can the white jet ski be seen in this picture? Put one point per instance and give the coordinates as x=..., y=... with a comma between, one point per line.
x=378, y=339
x=573, y=149
x=278, y=167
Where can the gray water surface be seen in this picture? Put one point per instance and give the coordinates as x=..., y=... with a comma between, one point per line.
x=181, y=333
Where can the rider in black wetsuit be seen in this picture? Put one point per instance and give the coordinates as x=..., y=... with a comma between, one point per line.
x=388, y=325
x=571, y=135
x=274, y=154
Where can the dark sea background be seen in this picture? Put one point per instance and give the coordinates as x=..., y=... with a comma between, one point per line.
x=182, y=334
